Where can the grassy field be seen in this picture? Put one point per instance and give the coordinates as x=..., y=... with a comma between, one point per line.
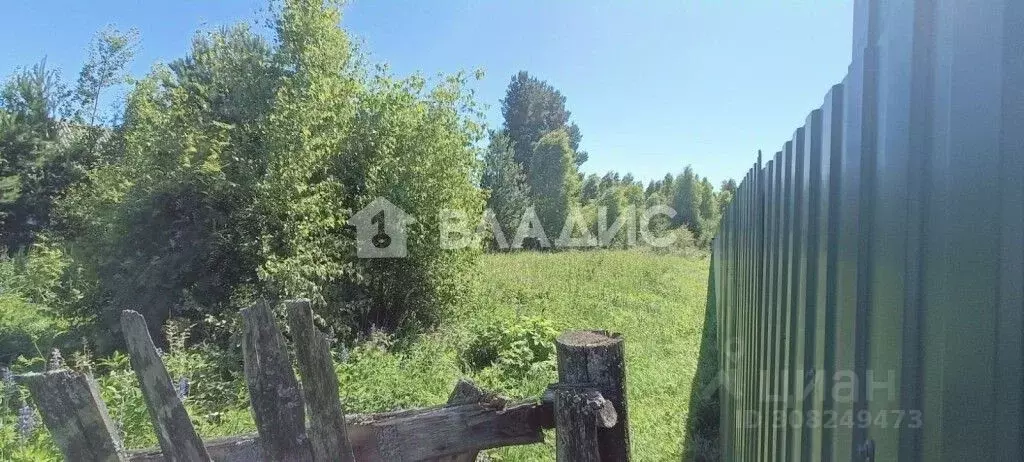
x=657, y=302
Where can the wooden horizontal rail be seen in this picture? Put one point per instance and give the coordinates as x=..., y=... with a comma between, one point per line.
x=410, y=435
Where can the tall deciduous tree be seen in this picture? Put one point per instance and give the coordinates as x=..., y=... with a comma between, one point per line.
x=109, y=55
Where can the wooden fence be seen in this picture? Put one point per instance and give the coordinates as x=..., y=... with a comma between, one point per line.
x=869, y=277
x=587, y=407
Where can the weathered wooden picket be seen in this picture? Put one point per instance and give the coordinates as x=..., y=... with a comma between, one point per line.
x=587, y=408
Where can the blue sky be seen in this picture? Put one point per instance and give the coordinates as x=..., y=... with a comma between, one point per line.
x=653, y=85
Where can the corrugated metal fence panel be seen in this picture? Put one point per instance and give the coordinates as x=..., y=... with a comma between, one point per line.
x=870, y=276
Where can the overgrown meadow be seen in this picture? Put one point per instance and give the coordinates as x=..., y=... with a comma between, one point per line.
x=502, y=339
x=230, y=175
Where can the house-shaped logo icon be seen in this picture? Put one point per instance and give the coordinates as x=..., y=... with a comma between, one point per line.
x=380, y=230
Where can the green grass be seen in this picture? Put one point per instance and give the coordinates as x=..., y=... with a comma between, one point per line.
x=657, y=302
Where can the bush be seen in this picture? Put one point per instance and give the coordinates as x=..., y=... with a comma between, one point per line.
x=514, y=348
x=36, y=290
x=224, y=192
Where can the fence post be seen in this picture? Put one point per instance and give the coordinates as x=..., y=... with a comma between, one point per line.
x=274, y=391
x=75, y=415
x=327, y=433
x=174, y=430
x=591, y=361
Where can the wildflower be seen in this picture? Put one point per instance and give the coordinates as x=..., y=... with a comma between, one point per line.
x=7, y=386
x=56, y=360
x=182, y=388
x=26, y=422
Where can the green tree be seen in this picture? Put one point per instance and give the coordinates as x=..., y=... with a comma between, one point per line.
x=686, y=199
x=553, y=181
x=532, y=108
x=729, y=185
x=724, y=198
x=667, y=185
x=109, y=55
x=32, y=171
x=169, y=226
x=46, y=144
x=659, y=224
x=503, y=178
x=708, y=209
x=590, y=188
x=338, y=142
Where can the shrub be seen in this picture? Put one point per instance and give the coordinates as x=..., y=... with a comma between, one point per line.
x=514, y=348
x=36, y=289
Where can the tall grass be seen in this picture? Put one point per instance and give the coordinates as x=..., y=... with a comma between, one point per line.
x=656, y=301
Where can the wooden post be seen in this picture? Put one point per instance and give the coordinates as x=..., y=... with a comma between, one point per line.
x=590, y=361
x=75, y=415
x=327, y=434
x=174, y=430
x=273, y=389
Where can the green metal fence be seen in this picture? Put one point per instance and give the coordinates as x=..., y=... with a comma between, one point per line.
x=869, y=277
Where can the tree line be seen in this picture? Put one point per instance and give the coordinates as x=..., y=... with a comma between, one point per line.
x=533, y=161
x=229, y=175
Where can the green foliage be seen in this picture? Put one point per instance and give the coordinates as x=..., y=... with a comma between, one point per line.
x=37, y=290
x=239, y=165
x=48, y=137
x=553, y=181
x=377, y=376
x=531, y=109
x=686, y=199
x=167, y=221
x=590, y=188
x=659, y=224
x=543, y=292
x=303, y=196
x=516, y=349
x=416, y=146
x=26, y=329
x=109, y=55
x=30, y=102
x=503, y=178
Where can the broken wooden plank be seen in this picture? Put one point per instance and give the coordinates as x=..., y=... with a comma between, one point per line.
x=450, y=431
x=465, y=392
x=75, y=415
x=178, y=438
x=273, y=389
x=327, y=435
x=414, y=435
